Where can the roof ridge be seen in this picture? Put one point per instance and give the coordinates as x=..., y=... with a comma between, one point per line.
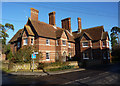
x=93, y=27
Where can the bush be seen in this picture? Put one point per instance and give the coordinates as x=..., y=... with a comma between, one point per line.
x=61, y=68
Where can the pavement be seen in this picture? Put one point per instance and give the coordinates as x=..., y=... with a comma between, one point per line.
x=46, y=73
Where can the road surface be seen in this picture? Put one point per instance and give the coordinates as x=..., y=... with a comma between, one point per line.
x=104, y=74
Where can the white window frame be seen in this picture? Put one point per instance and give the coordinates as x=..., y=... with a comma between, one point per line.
x=63, y=43
x=57, y=43
x=31, y=41
x=48, y=55
x=83, y=44
x=25, y=41
x=84, y=56
x=18, y=44
x=48, y=42
x=107, y=43
x=69, y=44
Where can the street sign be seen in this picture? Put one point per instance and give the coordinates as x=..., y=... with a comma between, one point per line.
x=33, y=56
x=35, y=52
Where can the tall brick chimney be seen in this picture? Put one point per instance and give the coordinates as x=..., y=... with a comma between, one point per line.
x=66, y=24
x=52, y=18
x=34, y=14
x=79, y=25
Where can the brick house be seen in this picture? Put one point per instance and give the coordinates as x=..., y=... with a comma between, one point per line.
x=91, y=43
x=55, y=42
x=52, y=41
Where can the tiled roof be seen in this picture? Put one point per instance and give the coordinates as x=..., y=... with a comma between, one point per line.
x=16, y=36
x=47, y=30
x=44, y=29
x=105, y=35
x=95, y=33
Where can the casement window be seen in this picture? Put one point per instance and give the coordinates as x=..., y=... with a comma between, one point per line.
x=47, y=42
x=69, y=44
x=25, y=41
x=57, y=42
x=85, y=44
x=107, y=44
x=18, y=44
x=103, y=44
x=85, y=55
x=47, y=56
x=64, y=42
x=32, y=41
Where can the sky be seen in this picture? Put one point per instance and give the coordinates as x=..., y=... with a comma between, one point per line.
x=92, y=14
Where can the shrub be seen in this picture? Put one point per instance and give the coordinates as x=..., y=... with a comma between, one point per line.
x=61, y=68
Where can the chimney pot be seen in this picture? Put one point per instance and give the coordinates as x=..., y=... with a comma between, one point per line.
x=52, y=18
x=79, y=25
x=34, y=14
x=66, y=24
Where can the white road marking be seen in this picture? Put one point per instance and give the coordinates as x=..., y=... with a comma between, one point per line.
x=77, y=80
x=103, y=73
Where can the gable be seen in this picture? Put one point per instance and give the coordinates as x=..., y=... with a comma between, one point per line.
x=84, y=37
x=95, y=33
x=25, y=33
x=63, y=36
x=16, y=36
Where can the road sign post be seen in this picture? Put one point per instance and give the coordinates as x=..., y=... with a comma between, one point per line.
x=33, y=57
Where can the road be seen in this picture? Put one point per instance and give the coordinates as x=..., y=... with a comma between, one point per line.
x=104, y=74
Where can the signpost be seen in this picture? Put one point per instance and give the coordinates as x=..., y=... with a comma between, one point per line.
x=33, y=57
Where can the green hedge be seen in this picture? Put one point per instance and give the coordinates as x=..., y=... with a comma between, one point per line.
x=61, y=68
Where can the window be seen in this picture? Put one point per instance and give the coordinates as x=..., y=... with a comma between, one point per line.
x=103, y=44
x=47, y=56
x=70, y=55
x=108, y=55
x=31, y=41
x=107, y=44
x=47, y=42
x=25, y=41
x=69, y=44
x=85, y=44
x=18, y=44
x=104, y=56
x=64, y=42
x=85, y=55
x=57, y=43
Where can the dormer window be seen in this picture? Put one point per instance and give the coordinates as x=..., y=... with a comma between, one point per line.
x=85, y=44
x=47, y=42
x=64, y=42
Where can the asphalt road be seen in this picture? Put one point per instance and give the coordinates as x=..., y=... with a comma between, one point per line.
x=100, y=75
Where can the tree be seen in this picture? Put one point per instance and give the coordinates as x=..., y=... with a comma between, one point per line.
x=24, y=54
x=3, y=33
x=115, y=45
x=114, y=35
